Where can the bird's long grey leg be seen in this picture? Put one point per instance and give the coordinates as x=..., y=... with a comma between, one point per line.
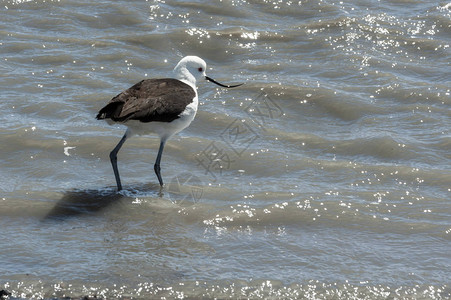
x=113, y=158
x=156, y=167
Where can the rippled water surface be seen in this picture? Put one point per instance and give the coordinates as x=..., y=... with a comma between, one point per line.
x=326, y=176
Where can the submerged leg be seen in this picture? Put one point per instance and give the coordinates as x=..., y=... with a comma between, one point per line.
x=156, y=167
x=113, y=158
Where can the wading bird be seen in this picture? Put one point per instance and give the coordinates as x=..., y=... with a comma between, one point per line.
x=163, y=106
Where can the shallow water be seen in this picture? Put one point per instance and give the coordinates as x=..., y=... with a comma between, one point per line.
x=326, y=176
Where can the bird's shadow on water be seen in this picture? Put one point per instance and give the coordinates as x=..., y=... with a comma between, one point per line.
x=92, y=201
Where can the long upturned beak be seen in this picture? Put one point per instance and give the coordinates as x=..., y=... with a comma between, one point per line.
x=220, y=84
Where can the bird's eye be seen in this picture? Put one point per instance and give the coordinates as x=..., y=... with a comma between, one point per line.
x=200, y=69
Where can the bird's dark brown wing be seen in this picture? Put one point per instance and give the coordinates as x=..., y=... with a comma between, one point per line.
x=161, y=100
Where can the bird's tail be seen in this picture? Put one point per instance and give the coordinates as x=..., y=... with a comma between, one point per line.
x=110, y=111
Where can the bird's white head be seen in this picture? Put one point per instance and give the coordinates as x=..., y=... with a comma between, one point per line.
x=189, y=69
